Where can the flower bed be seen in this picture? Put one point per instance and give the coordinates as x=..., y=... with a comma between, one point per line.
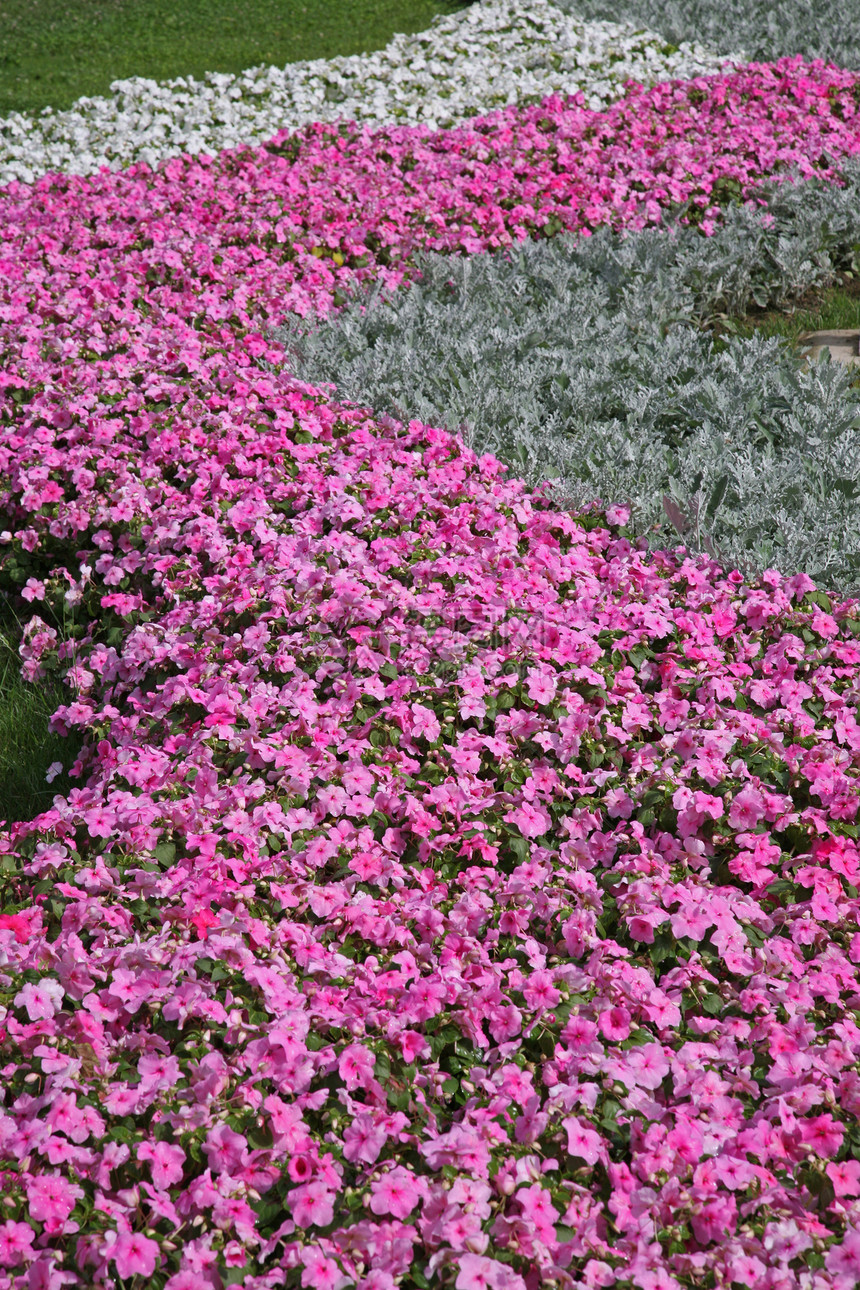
x=489, y=55
x=456, y=893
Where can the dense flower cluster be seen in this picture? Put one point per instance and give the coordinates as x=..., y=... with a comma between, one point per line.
x=456, y=894
x=453, y=884
x=509, y=51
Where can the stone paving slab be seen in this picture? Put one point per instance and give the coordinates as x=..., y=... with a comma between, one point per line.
x=844, y=346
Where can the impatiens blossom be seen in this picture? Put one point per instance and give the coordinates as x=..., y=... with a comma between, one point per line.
x=394, y=1193
x=134, y=1254
x=16, y=1242
x=41, y=999
x=311, y=1205
x=476, y=1272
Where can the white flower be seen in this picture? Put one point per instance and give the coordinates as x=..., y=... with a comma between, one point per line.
x=490, y=55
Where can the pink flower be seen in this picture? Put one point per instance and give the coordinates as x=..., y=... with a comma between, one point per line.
x=363, y=1140
x=167, y=1162
x=479, y=1273
x=537, y=1209
x=311, y=1205
x=579, y=1033
x=355, y=1066
x=541, y=685
x=300, y=1167
x=615, y=1023
x=226, y=1149
x=822, y=1133
x=16, y=1240
x=42, y=999
x=583, y=1141
x=322, y=1273
x=716, y=1220
x=648, y=1065
x=17, y=923
x=747, y=808
x=845, y=1177
x=133, y=1253
x=844, y=1259
x=539, y=990
x=425, y=722
x=51, y=1199
x=394, y=1193
x=531, y=820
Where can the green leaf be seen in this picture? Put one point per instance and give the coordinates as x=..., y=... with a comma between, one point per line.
x=521, y=848
x=235, y=1276
x=382, y=1067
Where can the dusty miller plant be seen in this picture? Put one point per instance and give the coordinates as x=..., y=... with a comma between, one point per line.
x=587, y=362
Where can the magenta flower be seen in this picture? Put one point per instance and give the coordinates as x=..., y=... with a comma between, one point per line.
x=133, y=1253
x=51, y=1199
x=167, y=1161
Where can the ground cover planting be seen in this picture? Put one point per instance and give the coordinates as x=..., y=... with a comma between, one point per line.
x=625, y=366
x=763, y=29
x=454, y=891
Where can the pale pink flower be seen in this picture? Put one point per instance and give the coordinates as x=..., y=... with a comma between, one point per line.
x=311, y=1205
x=844, y=1259
x=42, y=999
x=476, y=1272
x=16, y=1241
x=395, y=1193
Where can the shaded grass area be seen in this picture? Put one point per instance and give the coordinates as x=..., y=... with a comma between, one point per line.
x=53, y=52
x=27, y=746
x=831, y=308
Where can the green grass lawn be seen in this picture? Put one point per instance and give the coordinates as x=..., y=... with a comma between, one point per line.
x=53, y=52
x=831, y=308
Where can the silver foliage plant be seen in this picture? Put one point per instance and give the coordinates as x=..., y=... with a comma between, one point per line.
x=763, y=29
x=586, y=362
